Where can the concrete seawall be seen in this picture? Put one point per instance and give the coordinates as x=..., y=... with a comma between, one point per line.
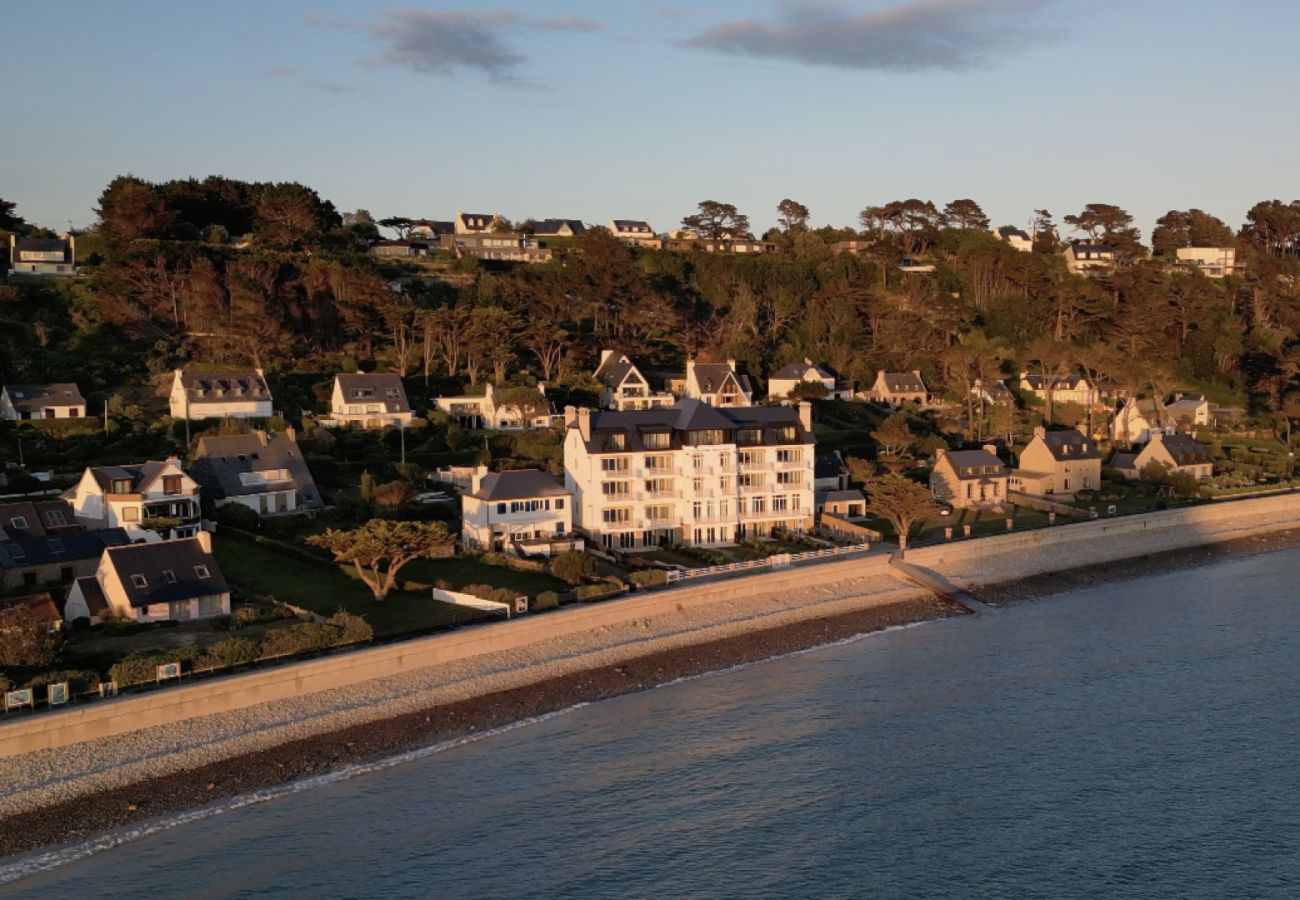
x=965, y=563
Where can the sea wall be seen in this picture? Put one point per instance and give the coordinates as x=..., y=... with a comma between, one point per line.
x=133, y=712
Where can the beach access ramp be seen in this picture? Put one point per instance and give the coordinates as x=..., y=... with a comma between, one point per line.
x=934, y=583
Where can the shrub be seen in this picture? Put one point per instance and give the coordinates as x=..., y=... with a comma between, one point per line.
x=298, y=639
x=495, y=559
x=123, y=627
x=351, y=629
x=230, y=652
x=573, y=566
x=136, y=669
x=545, y=600
x=649, y=577
x=222, y=623
x=245, y=615
x=237, y=515
x=79, y=680
x=595, y=591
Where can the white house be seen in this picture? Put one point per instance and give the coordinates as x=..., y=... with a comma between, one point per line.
x=1214, y=262
x=1065, y=388
x=235, y=394
x=521, y=511
x=994, y=392
x=689, y=473
x=265, y=472
x=1016, y=238
x=785, y=380
x=475, y=223
x=622, y=386
x=559, y=228
x=43, y=256
x=41, y=401
x=1190, y=410
x=634, y=231
x=488, y=410
x=1087, y=257
x=176, y=580
x=717, y=384
x=430, y=229
x=364, y=400
x=127, y=496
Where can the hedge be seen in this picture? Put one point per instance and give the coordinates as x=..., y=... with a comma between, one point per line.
x=649, y=577
x=545, y=600
x=596, y=591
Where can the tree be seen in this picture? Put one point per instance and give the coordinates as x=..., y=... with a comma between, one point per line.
x=1274, y=226
x=26, y=641
x=792, y=215
x=400, y=224
x=528, y=403
x=10, y=220
x=894, y=436
x=965, y=214
x=1192, y=228
x=131, y=208
x=573, y=566
x=1108, y=224
x=717, y=221
x=1043, y=231
x=1055, y=360
x=380, y=548
x=393, y=494
x=902, y=503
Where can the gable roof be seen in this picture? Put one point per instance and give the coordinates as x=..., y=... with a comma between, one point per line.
x=482, y=221
x=553, y=226
x=21, y=551
x=154, y=561
x=387, y=387
x=613, y=371
x=710, y=378
x=225, y=386
x=519, y=484
x=903, y=382
x=973, y=464
x=436, y=226
x=796, y=370
x=37, y=517
x=220, y=461
x=1009, y=231
x=829, y=464
x=140, y=475
x=93, y=594
x=42, y=245
x=1070, y=444
x=1186, y=451
x=636, y=225
x=32, y=397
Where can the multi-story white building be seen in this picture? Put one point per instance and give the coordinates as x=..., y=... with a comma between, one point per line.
x=636, y=232
x=689, y=473
x=622, y=386
x=128, y=496
x=219, y=395
x=521, y=511
x=376, y=400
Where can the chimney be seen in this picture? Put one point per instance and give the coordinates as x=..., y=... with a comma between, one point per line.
x=604, y=355
x=805, y=415
x=939, y=453
x=731, y=363
x=807, y=362
x=991, y=448
x=205, y=540
x=541, y=388
x=261, y=437
x=291, y=433
x=584, y=423
x=570, y=415
x=690, y=370
x=1040, y=431
x=173, y=460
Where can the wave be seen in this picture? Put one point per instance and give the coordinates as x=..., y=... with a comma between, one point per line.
x=36, y=862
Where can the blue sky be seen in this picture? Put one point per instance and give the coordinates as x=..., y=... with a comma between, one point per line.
x=641, y=109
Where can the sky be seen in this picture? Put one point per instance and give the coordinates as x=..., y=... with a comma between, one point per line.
x=639, y=110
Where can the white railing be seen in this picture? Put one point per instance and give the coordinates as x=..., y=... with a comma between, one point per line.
x=778, y=561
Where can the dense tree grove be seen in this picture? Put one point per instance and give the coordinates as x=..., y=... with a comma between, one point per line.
x=229, y=271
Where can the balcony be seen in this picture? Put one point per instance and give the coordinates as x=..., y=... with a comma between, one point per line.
x=761, y=488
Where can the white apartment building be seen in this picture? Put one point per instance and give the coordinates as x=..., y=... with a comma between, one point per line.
x=218, y=395
x=689, y=473
x=521, y=511
x=127, y=496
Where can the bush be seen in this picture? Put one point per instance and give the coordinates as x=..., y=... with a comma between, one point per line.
x=230, y=652
x=573, y=566
x=545, y=600
x=595, y=591
x=495, y=559
x=136, y=669
x=237, y=515
x=649, y=577
x=123, y=627
x=298, y=639
x=221, y=623
x=351, y=629
x=79, y=681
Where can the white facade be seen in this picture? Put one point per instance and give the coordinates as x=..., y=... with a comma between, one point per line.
x=220, y=402
x=717, y=384
x=125, y=496
x=483, y=411
x=369, y=401
x=1215, y=262
x=634, y=231
x=54, y=401
x=623, y=387
x=523, y=510
x=671, y=476
x=785, y=380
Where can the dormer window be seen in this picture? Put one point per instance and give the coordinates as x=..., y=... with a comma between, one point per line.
x=121, y=486
x=19, y=522
x=139, y=582
x=202, y=572
x=169, y=576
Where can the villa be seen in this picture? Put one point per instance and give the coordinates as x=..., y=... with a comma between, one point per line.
x=966, y=479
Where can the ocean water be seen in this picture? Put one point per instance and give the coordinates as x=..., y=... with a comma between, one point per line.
x=1133, y=740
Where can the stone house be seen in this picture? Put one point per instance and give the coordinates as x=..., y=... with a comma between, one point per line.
x=966, y=479
x=893, y=389
x=1057, y=463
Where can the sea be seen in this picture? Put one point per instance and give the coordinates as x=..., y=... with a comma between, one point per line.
x=1136, y=740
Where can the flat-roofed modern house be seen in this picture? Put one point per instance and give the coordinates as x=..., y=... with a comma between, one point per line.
x=262, y=471
x=636, y=232
x=786, y=380
x=520, y=511
x=41, y=401
x=128, y=496
x=400, y=249
x=1213, y=262
x=1059, y=464
x=369, y=400
x=689, y=473
x=717, y=384
x=231, y=393
x=502, y=246
x=622, y=386
x=42, y=256
x=176, y=580
x=893, y=389
x=969, y=478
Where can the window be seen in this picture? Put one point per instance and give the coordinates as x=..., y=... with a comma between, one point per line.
x=616, y=464
x=171, y=485
x=130, y=514
x=169, y=576
x=657, y=440
x=616, y=516
x=55, y=517
x=788, y=456
x=559, y=503
x=19, y=521
x=615, y=488
x=501, y=509
x=139, y=581
x=202, y=572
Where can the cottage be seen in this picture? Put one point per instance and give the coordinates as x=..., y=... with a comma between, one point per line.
x=1138, y=419
x=847, y=504
x=129, y=496
x=41, y=401
x=1190, y=411
x=520, y=511
x=499, y=408
x=176, y=580
x=893, y=389
x=636, y=232
x=365, y=400
x=1058, y=463
x=476, y=223
x=43, y=256
x=559, y=228
x=235, y=394
x=1016, y=238
x=717, y=384
x=969, y=478
x=264, y=472
x=1176, y=452
x=1089, y=258
x=785, y=381
x=622, y=386
x=994, y=393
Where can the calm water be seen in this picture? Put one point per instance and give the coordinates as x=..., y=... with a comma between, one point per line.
x=1137, y=740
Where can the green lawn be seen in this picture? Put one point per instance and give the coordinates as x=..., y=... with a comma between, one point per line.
x=459, y=571
x=260, y=570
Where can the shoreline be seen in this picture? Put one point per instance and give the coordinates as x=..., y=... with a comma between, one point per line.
x=152, y=797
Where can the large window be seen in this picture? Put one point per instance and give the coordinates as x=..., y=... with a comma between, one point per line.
x=615, y=464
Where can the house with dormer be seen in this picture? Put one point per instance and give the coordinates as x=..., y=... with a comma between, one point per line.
x=129, y=496
x=559, y=228
x=1088, y=258
x=786, y=380
x=265, y=472
x=1176, y=452
x=893, y=389
x=42, y=543
x=41, y=401
x=522, y=511
x=163, y=581
x=966, y=479
x=717, y=384
x=475, y=223
x=230, y=393
x=488, y=406
x=1057, y=464
x=369, y=400
x=622, y=386
x=1016, y=238
x=1064, y=388
x=634, y=231
x=994, y=393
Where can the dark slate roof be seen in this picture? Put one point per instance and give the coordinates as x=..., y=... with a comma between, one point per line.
x=31, y=397
x=632, y=225
x=1010, y=231
x=1060, y=383
x=487, y=219
x=234, y=385
x=39, y=517
x=904, y=383
x=963, y=461
x=712, y=376
x=1071, y=444
x=553, y=226
x=519, y=484
x=140, y=475
x=21, y=551
x=220, y=460
x=833, y=496
x=1123, y=461
x=797, y=370
x=359, y=387
x=42, y=245
x=154, y=561
x=997, y=390
x=1091, y=247
x=93, y=594
x=1187, y=451
x=614, y=369
x=437, y=226
x=692, y=415
x=829, y=464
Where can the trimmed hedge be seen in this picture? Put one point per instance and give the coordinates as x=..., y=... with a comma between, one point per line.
x=544, y=601
x=649, y=577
